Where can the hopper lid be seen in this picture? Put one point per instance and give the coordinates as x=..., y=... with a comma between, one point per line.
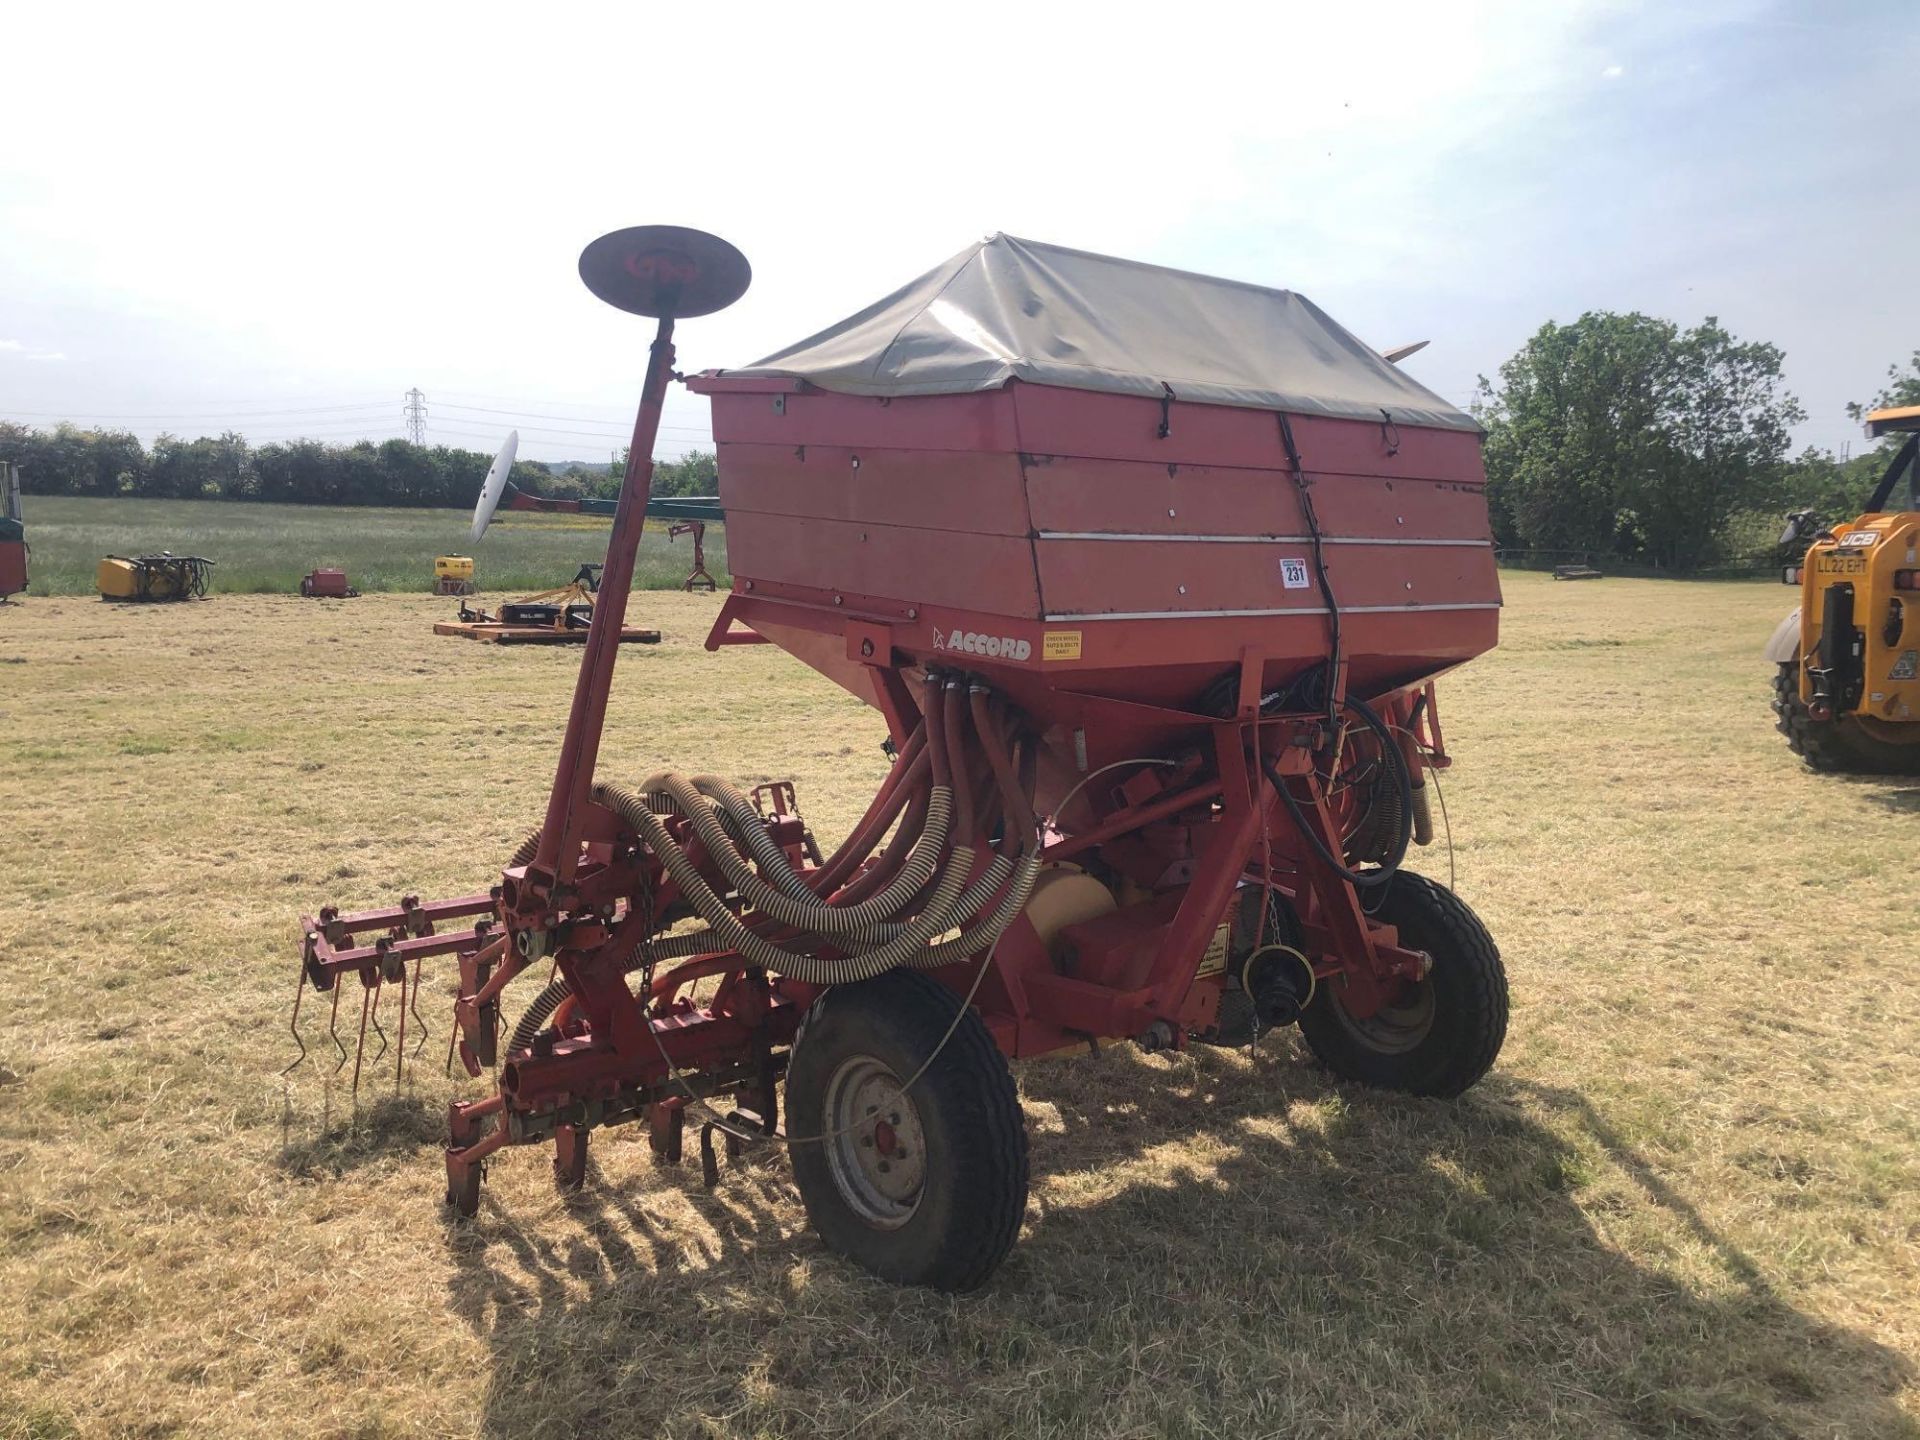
x=1010, y=309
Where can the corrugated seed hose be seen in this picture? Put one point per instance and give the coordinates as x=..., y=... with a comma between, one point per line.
x=891, y=926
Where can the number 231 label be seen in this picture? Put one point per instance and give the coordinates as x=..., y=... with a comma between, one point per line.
x=1293, y=574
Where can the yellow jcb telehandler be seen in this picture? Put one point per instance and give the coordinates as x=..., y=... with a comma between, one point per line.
x=1846, y=686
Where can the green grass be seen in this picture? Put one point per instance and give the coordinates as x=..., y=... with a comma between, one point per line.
x=265, y=549
x=1685, y=1203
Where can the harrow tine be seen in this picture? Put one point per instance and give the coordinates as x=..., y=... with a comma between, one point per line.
x=400, y=1041
x=413, y=1004
x=293, y=1025
x=379, y=989
x=360, y=1046
x=333, y=1030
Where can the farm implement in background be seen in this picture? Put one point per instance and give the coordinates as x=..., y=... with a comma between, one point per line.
x=165, y=576
x=1846, y=688
x=14, y=549
x=685, y=514
x=553, y=617
x=1156, y=674
x=326, y=584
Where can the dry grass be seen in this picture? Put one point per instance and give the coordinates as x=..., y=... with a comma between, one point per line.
x=1685, y=1202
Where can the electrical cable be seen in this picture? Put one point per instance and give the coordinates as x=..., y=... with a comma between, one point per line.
x=1085, y=780
x=198, y=414
x=754, y=1138
x=1307, y=513
x=1433, y=776
x=624, y=427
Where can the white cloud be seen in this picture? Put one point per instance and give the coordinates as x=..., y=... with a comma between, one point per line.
x=1613, y=72
x=47, y=355
x=11, y=345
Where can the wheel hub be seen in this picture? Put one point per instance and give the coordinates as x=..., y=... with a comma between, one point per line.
x=1397, y=1026
x=875, y=1147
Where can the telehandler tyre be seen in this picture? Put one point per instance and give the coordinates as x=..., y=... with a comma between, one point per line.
x=1442, y=1033
x=1838, y=745
x=926, y=1187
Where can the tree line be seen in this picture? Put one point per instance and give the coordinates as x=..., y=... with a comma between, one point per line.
x=70, y=460
x=1626, y=438
x=1617, y=437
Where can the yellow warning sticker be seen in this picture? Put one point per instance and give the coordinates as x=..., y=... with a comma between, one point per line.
x=1060, y=645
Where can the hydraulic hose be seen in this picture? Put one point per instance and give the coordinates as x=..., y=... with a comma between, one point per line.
x=902, y=785
x=1397, y=762
x=1020, y=814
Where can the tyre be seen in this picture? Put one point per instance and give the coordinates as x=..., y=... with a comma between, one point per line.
x=1839, y=744
x=1440, y=1034
x=922, y=1188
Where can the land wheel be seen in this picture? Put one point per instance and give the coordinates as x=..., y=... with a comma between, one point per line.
x=925, y=1187
x=1440, y=1034
x=1840, y=744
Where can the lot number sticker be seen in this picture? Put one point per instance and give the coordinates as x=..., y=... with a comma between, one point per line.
x=1293, y=574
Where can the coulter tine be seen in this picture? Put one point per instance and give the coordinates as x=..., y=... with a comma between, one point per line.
x=293, y=1025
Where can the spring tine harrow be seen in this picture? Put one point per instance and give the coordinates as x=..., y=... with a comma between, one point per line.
x=293, y=1025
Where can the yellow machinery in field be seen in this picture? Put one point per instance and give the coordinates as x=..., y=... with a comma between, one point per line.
x=1847, y=682
x=165, y=576
x=453, y=575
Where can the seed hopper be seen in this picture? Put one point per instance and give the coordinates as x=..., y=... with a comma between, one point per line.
x=1148, y=577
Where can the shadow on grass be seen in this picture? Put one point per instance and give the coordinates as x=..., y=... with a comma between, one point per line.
x=350, y=1135
x=1213, y=1247
x=1901, y=799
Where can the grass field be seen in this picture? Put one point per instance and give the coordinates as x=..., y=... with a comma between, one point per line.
x=1686, y=1202
x=265, y=549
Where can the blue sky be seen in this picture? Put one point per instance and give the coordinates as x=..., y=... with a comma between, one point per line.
x=282, y=218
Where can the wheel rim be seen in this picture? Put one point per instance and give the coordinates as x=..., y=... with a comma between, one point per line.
x=1397, y=1026
x=876, y=1148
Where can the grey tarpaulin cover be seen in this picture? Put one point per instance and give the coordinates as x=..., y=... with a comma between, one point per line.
x=1008, y=309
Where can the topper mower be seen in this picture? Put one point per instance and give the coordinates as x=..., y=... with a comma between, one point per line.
x=1152, y=629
